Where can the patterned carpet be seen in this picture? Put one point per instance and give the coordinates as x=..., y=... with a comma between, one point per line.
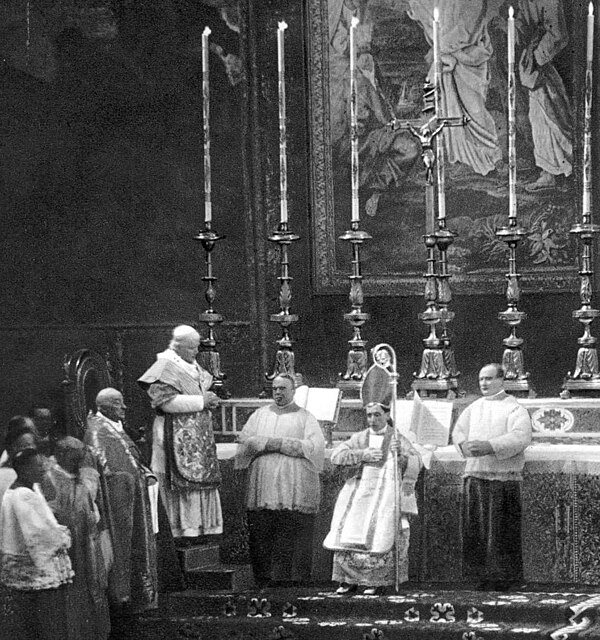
x=315, y=614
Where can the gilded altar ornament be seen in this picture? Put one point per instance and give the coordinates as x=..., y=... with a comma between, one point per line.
x=357, y=361
x=585, y=379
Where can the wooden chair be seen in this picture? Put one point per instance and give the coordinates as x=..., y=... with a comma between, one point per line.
x=86, y=373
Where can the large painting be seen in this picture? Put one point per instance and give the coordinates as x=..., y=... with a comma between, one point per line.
x=393, y=44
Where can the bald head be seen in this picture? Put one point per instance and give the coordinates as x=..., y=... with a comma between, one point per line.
x=185, y=342
x=110, y=403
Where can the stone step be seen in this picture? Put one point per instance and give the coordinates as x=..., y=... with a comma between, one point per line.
x=234, y=577
x=198, y=556
x=527, y=608
x=349, y=628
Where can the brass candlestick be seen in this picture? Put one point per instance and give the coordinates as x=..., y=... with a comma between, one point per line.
x=284, y=357
x=443, y=239
x=437, y=375
x=516, y=379
x=209, y=357
x=433, y=366
x=512, y=359
x=586, y=378
x=357, y=361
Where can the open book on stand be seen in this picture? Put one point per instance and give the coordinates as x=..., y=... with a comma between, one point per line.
x=323, y=403
x=425, y=422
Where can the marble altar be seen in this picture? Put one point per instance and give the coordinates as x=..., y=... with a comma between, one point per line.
x=561, y=496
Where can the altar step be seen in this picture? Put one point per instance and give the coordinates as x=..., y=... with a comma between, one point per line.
x=318, y=614
x=198, y=556
x=204, y=571
x=220, y=577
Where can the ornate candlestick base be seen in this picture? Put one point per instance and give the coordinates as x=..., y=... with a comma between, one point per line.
x=516, y=381
x=443, y=239
x=357, y=361
x=433, y=379
x=585, y=380
x=209, y=357
x=285, y=359
x=513, y=362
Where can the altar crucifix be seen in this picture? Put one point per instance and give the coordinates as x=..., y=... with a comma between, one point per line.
x=438, y=371
x=426, y=133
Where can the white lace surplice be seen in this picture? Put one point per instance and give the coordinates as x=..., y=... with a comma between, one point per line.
x=33, y=546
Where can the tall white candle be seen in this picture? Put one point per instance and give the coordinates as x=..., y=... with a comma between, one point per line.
x=512, y=119
x=206, y=127
x=439, y=144
x=587, y=122
x=590, y=34
x=354, y=121
x=511, y=35
x=283, y=212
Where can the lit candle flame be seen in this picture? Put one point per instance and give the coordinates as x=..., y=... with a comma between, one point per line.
x=436, y=14
x=282, y=25
x=591, y=9
x=511, y=12
x=206, y=31
x=354, y=22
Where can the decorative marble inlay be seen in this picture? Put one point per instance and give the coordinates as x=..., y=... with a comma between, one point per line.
x=442, y=612
x=474, y=615
x=259, y=608
x=552, y=420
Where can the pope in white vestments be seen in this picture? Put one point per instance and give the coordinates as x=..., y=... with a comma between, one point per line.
x=184, y=453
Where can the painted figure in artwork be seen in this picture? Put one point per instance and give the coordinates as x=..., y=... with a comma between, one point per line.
x=542, y=35
x=385, y=156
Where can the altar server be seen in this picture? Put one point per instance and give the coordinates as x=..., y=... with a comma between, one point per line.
x=283, y=447
x=34, y=560
x=492, y=434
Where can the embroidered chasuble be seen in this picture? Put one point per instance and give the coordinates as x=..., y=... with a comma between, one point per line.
x=133, y=576
x=184, y=453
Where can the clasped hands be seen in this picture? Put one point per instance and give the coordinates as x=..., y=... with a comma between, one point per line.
x=476, y=448
x=376, y=454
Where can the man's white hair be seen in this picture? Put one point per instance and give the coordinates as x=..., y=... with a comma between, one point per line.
x=180, y=332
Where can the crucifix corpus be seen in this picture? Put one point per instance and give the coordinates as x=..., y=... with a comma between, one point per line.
x=426, y=133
